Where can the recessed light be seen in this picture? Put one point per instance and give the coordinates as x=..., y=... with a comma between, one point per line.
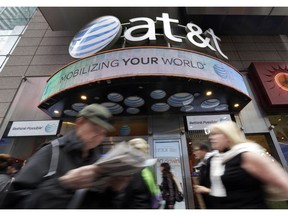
x=208, y=93
x=83, y=97
x=56, y=111
x=236, y=105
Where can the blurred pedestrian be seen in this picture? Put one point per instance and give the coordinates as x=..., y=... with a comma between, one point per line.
x=168, y=186
x=79, y=150
x=4, y=176
x=202, y=153
x=142, y=192
x=199, y=151
x=238, y=173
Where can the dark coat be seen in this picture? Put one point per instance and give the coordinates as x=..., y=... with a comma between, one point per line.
x=168, y=188
x=137, y=194
x=49, y=193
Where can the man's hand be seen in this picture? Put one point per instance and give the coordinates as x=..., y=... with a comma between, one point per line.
x=82, y=177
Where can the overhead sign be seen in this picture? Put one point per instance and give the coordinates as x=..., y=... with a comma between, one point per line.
x=144, y=61
x=34, y=128
x=106, y=30
x=202, y=122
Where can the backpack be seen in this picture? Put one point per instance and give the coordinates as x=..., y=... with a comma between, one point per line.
x=27, y=193
x=147, y=175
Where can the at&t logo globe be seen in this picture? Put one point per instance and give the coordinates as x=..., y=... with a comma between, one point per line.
x=95, y=36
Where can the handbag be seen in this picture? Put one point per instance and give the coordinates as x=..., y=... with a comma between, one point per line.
x=179, y=197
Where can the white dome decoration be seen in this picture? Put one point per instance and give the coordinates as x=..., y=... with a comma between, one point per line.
x=115, y=97
x=158, y=94
x=134, y=101
x=70, y=112
x=124, y=130
x=180, y=99
x=114, y=108
x=210, y=103
x=132, y=110
x=160, y=107
x=188, y=108
x=78, y=106
x=221, y=107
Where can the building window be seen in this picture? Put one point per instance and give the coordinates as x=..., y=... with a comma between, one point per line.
x=13, y=22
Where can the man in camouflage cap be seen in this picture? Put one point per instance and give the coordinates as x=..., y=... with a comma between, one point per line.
x=79, y=150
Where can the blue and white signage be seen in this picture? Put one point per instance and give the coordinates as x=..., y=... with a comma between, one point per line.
x=104, y=31
x=202, y=122
x=95, y=36
x=34, y=128
x=144, y=61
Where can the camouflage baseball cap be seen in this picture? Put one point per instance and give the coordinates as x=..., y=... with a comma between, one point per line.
x=98, y=114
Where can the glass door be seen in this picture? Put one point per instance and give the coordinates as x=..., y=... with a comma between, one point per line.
x=169, y=151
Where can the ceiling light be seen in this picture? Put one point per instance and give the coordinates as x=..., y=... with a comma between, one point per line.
x=56, y=111
x=208, y=93
x=236, y=105
x=83, y=97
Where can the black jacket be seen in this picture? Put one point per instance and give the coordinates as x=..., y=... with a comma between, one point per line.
x=47, y=192
x=168, y=188
x=137, y=194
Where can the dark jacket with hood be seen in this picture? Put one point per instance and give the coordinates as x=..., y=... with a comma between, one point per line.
x=48, y=192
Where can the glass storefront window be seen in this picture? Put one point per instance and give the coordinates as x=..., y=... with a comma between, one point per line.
x=13, y=22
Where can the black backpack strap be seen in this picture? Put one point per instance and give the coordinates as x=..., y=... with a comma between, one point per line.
x=54, y=158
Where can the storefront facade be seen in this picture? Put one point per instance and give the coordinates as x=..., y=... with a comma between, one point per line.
x=163, y=86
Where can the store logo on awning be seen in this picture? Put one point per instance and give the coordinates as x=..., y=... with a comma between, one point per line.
x=104, y=31
x=95, y=36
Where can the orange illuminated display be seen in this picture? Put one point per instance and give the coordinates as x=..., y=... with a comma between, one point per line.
x=281, y=80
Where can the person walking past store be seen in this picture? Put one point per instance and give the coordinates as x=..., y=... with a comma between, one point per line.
x=241, y=172
x=143, y=191
x=168, y=187
x=202, y=154
x=78, y=151
x=4, y=176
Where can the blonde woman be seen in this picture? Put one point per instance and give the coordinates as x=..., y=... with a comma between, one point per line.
x=239, y=171
x=142, y=192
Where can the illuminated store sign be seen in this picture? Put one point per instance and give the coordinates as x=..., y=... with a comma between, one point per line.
x=145, y=62
x=271, y=84
x=34, y=128
x=104, y=31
